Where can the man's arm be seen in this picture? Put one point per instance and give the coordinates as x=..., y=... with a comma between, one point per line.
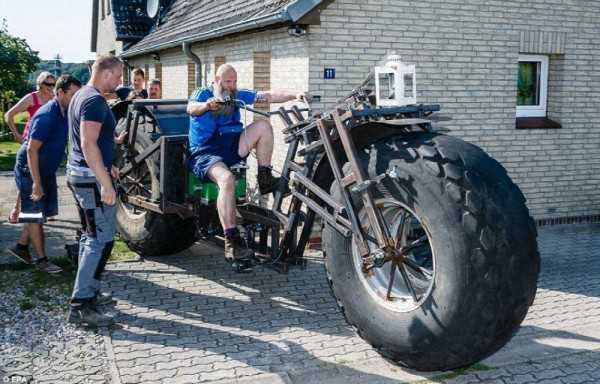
x=281, y=96
x=21, y=106
x=33, y=159
x=197, y=108
x=90, y=131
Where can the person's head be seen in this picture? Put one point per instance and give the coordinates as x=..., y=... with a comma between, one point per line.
x=45, y=81
x=66, y=86
x=225, y=81
x=107, y=71
x=138, y=79
x=154, y=89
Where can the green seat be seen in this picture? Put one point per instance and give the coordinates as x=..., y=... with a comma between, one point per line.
x=209, y=191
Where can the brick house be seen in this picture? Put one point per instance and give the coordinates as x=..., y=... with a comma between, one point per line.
x=474, y=58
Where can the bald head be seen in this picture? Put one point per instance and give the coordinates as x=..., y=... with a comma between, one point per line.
x=225, y=69
x=225, y=82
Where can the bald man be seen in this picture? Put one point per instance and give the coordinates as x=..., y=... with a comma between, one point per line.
x=218, y=141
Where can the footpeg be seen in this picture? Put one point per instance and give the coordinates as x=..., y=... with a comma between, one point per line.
x=243, y=266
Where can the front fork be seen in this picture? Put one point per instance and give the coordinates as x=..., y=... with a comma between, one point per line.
x=362, y=186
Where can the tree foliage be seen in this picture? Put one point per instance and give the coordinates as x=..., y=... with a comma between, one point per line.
x=17, y=61
x=79, y=70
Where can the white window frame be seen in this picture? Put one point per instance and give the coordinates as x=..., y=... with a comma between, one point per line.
x=536, y=110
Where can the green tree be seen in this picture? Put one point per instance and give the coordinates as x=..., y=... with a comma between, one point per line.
x=79, y=70
x=17, y=60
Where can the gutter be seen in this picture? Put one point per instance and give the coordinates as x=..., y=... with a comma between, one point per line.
x=94, y=41
x=237, y=27
x=197, y=61
x=292, y=12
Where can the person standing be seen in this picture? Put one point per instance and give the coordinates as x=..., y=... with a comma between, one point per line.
x=31, y=102
x=90, y=177
x=154, y=89
x=37, y=161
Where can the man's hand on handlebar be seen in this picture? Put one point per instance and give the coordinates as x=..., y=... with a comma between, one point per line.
x=304, y=96
x=213, y=104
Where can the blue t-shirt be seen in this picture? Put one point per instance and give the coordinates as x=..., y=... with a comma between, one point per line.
x=123, y=92
x=89, y=105
x=49, y=126
x=204, y=126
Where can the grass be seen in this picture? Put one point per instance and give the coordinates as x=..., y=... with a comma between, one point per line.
x=121, y=252
x=34, y=283
x=477, y=367
x=8, y=155
x=8, y=146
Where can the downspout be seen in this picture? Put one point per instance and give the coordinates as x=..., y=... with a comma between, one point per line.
x=198, y=66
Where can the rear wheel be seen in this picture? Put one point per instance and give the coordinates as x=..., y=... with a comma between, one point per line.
x=466, y=271
x=145, y=231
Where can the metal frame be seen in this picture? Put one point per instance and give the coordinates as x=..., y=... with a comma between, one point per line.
x=322, y=134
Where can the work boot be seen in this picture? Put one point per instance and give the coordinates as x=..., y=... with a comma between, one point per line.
x=84, y=313
x=236, y=249
x=266, y=181
x=101, y=299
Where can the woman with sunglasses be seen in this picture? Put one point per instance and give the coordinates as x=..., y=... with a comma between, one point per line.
x=31, y=102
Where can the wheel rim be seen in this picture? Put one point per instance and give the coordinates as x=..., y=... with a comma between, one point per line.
x=138, y=182
x=411, y=278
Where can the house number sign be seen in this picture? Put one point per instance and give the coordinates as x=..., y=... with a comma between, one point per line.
x=329, y=73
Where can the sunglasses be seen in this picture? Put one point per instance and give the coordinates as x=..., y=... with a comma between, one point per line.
x=49, y=84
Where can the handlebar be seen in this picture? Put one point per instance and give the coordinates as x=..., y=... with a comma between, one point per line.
x=238, y=103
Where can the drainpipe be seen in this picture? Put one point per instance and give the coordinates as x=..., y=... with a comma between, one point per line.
x=198, y=66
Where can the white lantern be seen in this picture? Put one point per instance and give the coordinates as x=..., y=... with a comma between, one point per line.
x=395, y=83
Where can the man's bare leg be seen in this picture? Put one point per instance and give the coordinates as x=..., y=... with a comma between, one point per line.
x=235, y=248
x=36, y=235
x=258, y=135
x=220, y=174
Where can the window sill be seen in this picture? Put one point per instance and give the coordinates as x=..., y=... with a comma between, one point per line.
x=536, y=123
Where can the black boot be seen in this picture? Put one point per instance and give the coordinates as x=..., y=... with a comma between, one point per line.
x=266, y=181
x=84, y=313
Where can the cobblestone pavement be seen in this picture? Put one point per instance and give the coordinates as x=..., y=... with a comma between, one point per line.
x=189, y=318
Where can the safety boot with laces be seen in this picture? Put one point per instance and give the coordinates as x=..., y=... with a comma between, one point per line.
x=266, y=181
x=85, y=313
x=236, y=249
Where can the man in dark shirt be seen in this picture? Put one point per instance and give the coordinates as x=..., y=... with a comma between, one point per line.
x=90, y=177
x=136, y=91
x=37, y=161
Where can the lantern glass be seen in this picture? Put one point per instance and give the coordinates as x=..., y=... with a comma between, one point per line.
x=395, y=83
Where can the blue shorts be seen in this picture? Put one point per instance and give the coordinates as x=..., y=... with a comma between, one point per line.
x=220, y=148
x=47, y=205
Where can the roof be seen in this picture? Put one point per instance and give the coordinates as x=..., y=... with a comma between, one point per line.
x=196, y=20
x=130, y=18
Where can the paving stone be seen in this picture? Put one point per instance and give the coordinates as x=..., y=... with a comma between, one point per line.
x=191, y=312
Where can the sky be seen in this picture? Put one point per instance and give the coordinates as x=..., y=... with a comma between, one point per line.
x=52, y=27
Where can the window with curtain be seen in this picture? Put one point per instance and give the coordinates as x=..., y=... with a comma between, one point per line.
x=532, y=86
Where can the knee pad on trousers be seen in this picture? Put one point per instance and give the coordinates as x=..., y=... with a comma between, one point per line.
x=106, y=251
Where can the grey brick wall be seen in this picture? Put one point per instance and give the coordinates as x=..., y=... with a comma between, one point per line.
x=466, y=56
x=466, y=53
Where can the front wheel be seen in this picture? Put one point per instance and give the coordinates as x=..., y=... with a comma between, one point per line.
x=144, y=231
x=468, y=272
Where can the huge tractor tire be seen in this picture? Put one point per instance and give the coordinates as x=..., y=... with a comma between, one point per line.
x=473, y=261
x=144, y=231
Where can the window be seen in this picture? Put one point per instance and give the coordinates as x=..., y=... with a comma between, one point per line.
x=532, y=86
